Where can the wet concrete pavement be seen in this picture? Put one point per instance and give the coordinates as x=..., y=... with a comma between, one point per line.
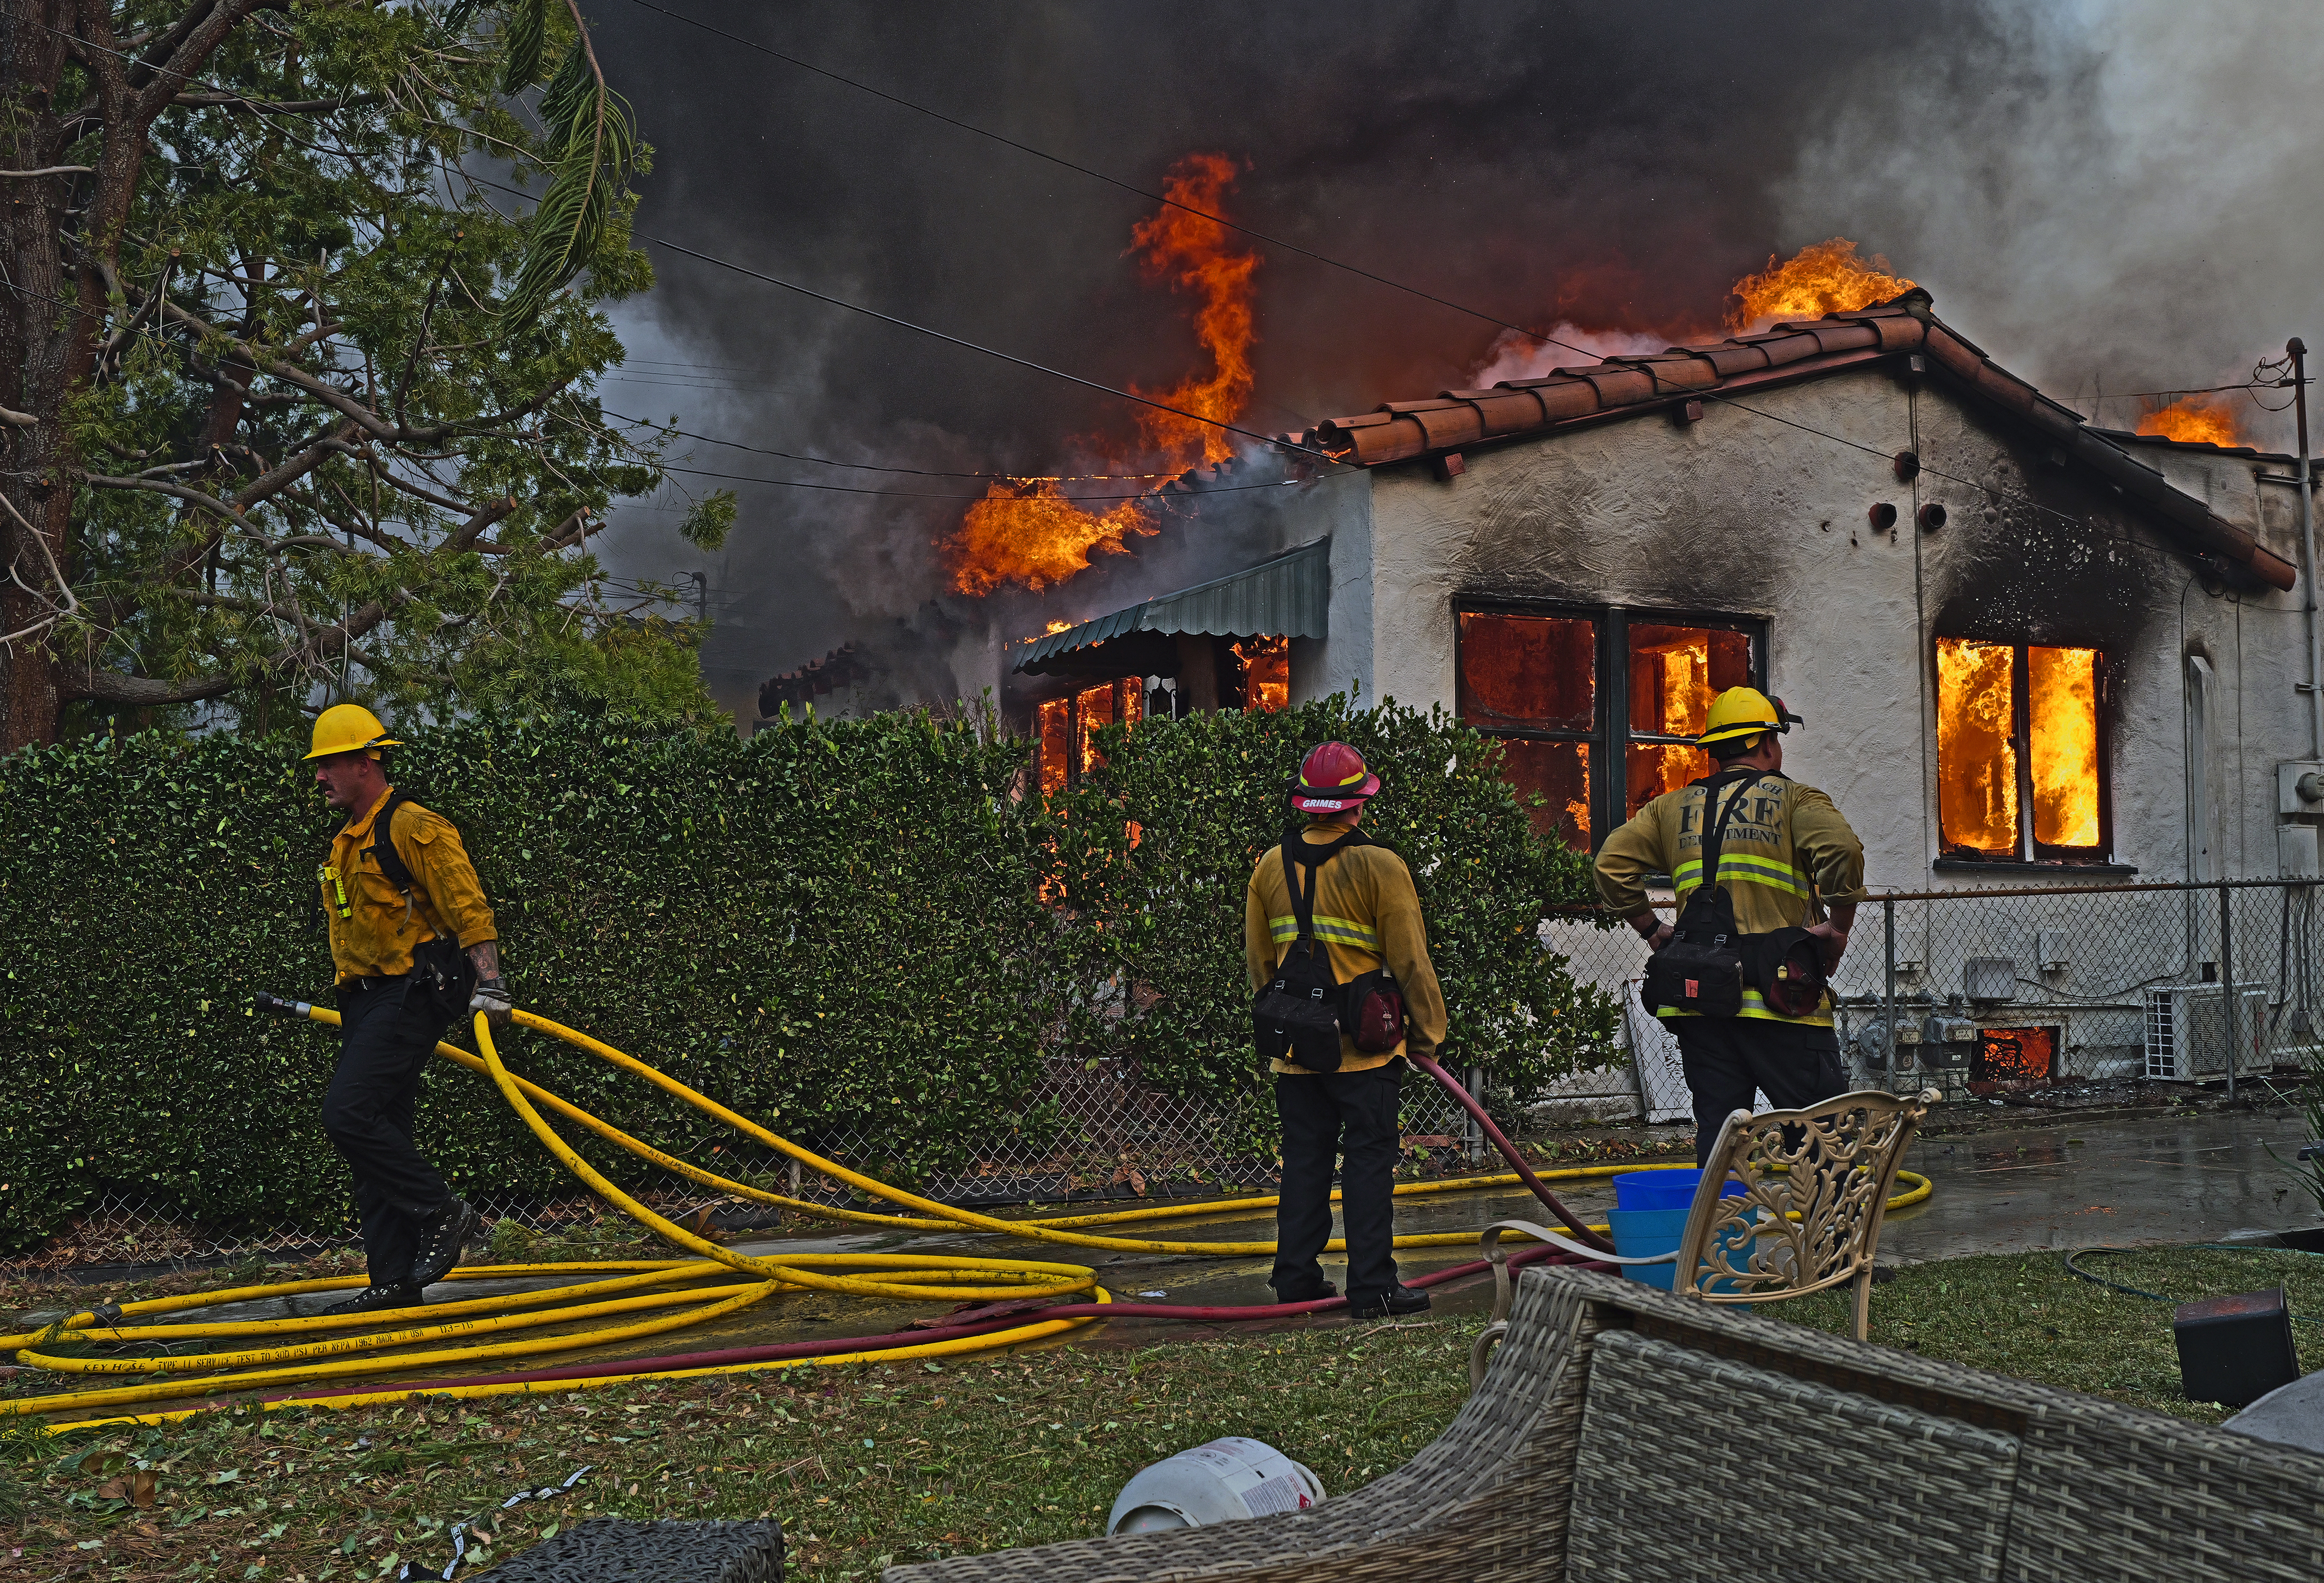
x=2116, y=1181
x=2149, y=1179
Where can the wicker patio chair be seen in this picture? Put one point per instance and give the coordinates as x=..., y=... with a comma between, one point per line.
x=1624, y=1432
x=1815, y=1188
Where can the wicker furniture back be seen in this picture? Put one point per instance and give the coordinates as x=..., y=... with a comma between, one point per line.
x=1667, y=1439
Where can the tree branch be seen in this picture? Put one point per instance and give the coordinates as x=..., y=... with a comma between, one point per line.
x=112, y=686
x=274, y=106
x=47, y=171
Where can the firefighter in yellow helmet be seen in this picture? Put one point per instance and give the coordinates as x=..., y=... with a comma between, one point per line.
x=1790, y=874
x=413, y=943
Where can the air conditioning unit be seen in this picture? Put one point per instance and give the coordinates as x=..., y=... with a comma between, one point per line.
x=2187, y=1031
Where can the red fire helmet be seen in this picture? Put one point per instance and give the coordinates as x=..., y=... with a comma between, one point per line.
x=1332, y=780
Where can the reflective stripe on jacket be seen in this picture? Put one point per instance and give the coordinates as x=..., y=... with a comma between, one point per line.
x=1783, y=839
x=1367, y=912
x=375, y=938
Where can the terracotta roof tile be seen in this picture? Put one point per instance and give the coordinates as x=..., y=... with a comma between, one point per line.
x=1400, y=431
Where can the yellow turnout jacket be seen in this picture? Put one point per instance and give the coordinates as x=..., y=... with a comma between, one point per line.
x=1784, y=853
x=380, y=926
x=1367, y=912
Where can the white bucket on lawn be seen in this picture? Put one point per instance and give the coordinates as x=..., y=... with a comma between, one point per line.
x=1221, y=1482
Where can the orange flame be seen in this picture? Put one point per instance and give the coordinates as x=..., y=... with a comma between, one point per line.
x=1034, y=535
x=2063, y=720
x=1824, y=277
x=1194, y=255
x=1026, y=532
x=2193, y=417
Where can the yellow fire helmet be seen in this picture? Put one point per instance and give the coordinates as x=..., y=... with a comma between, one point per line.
x=349, y=728
x=1745, y=712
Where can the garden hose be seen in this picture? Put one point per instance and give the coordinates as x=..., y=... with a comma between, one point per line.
x=1023, y=1292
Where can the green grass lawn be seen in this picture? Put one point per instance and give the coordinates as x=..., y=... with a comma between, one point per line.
x=869, y=1464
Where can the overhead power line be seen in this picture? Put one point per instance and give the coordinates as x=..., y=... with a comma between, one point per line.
x=710, y=439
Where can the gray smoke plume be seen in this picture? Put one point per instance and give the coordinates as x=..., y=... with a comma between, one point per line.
x=2114, y=197
x=2090, y=192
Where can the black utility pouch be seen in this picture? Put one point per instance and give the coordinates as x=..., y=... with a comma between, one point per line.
x=1700, y=969
x=1786, y=967
x=1372, y=1011
x=1297, y=1017
x=442, y=972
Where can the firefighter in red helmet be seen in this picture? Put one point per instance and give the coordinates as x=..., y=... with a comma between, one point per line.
x=1335, y=941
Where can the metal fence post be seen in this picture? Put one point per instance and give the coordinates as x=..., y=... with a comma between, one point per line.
x=2227, y=988
x=1888, y=995
x=1473, y=1136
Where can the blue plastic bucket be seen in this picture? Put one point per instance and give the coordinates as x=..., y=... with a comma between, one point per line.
x=1663, y=1190
x=1641, y=1232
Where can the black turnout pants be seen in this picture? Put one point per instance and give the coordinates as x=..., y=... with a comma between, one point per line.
x=388, y=1030
x=1325, y=1115
x=1727, y=1057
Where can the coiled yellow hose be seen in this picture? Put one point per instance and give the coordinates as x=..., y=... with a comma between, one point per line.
x=468, y=1331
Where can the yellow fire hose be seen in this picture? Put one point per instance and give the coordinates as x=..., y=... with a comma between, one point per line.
x=720, y=1283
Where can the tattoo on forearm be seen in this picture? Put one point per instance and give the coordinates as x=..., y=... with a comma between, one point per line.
x=487, y=956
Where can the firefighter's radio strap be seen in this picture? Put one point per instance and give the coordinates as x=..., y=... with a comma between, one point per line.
x=1710, y=962
x=1302, y=1013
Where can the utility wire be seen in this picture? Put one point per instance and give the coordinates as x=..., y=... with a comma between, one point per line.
x=1127, y=395
x=912, y=494
x=872, y=467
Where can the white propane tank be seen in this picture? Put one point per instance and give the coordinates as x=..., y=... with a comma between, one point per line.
x=1220, y=1482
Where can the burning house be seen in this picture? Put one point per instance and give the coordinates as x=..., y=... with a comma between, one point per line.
x=2026, y=646
x=2030, y=651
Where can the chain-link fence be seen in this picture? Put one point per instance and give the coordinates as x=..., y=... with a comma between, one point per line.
x=2047, y=995
x=2050, y=994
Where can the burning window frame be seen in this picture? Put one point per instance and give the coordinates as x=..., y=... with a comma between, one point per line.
x=1064, y=732
x=1607, y=742
x=2028, y=848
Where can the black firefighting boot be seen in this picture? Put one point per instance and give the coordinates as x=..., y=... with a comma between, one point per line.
x=1402, y=1299
x=442, y=1242
x=372, y=1299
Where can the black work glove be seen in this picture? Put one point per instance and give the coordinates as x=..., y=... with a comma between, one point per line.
x=492, y=998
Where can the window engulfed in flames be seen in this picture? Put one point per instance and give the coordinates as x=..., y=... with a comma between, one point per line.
x=1983, y=735
x=1267, y=673
x=2014, y=1058
x=1056, y=726
x=1536, y=673
x=1977, y=746
x=1675, y=672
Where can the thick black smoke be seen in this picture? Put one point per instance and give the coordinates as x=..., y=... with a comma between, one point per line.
x=1617, y=167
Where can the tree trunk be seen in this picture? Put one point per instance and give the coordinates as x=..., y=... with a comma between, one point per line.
x=31, y=358
x=49, y=322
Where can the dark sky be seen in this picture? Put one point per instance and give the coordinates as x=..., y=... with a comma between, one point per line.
x=2094, y=193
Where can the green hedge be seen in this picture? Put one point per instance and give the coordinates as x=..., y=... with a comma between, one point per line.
x=837, y=928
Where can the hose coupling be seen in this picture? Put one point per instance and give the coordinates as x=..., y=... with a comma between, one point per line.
x=263, y=1002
